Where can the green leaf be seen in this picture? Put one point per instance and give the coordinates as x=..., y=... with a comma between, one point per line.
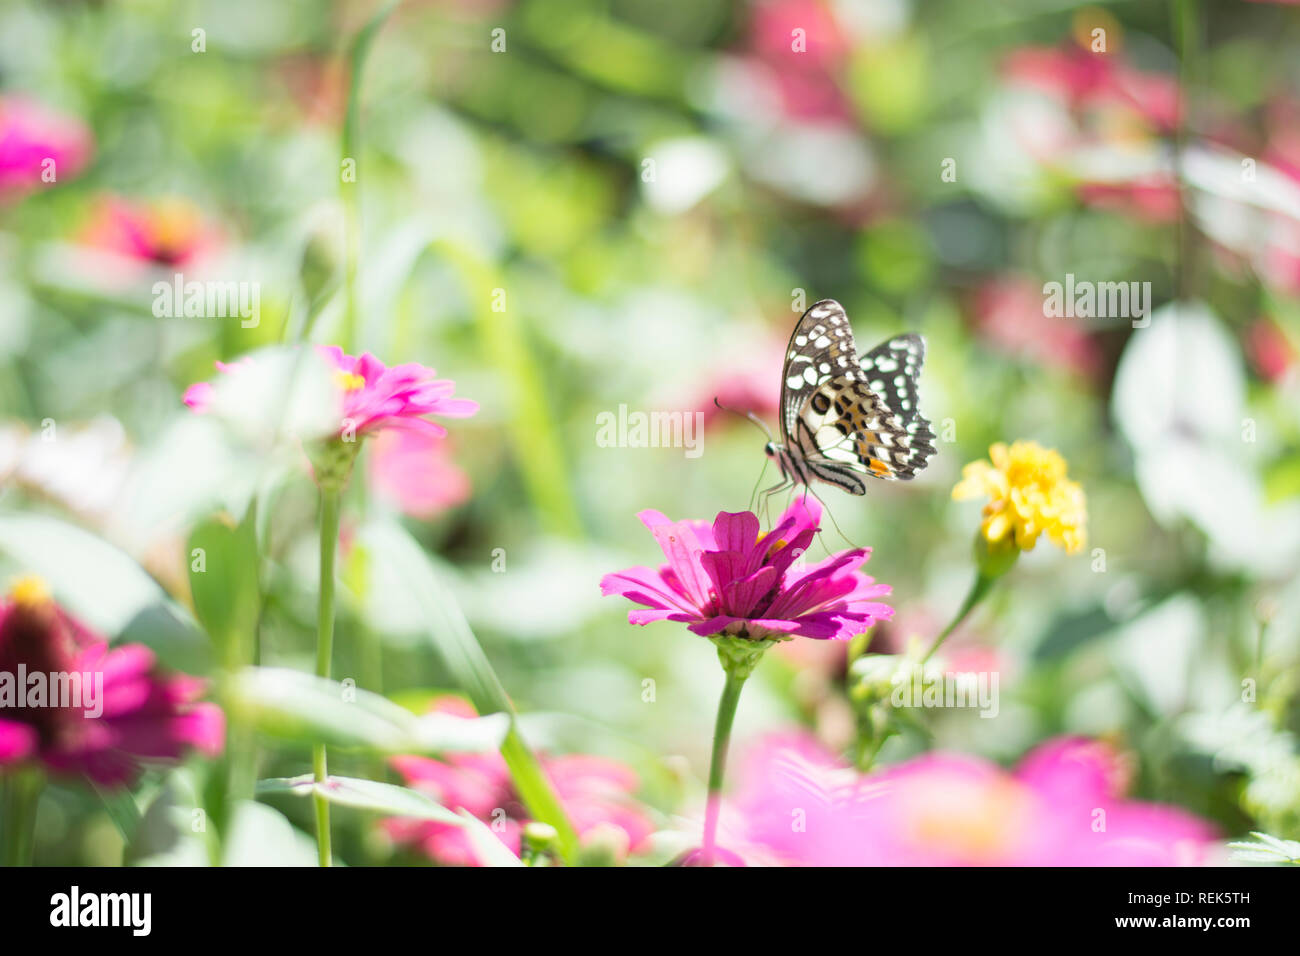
x=295, y=706
x=103, y=587
x=121, y=808
x=224, y=584
x=261, y=836
x=364, y=795
x=1268, y=849
x=450, y=636
x=490, y=850
x=504, y=339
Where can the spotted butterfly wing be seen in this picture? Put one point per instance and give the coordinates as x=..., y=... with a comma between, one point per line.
x=843, y=418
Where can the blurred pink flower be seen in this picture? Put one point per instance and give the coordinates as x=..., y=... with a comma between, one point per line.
x=595, y=792
x=374, y=397
x=1109, y=111
x=1269, y=349
x=751, y=384
x=1062, y=806
x=36, y=142
x=317, y=85
x=1089, y=81
x=415, y=471
x=1282, y=134
x=1154, y=198
x=145, y=716
x=730, y=579
x=1009, y=314
x=199, y=395
x=807, y=79
x=165, y=232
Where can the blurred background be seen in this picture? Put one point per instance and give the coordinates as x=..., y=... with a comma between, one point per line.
x=576, y=205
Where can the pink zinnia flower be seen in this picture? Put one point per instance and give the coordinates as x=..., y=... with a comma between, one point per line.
x=32, y=137
x=415, y=471
x=145, y=716
x=729, y=579
x=595, y=792
x=164, y=232
x=373, y=397
x=1062, y=806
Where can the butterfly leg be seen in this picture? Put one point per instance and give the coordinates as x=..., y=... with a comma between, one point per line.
x=753, y=495
x=826, y=509
x=766, y=495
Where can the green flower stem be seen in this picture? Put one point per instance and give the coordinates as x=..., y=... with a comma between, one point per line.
x=718, y=765
x=350, y=147
x=991, y=562
x=739, y=656
x=979, y=589
x=22, y=794
x=329, y=536
x=867, y=754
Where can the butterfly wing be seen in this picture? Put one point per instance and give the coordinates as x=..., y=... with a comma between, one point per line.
x=893, y=371
x=821, y=348
x=844, y=418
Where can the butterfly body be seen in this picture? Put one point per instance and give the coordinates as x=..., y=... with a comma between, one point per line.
x=845, y=418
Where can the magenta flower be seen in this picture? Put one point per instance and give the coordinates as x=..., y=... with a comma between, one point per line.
x=372, y=396
x=127, y=714
x=166, y=232
x=36, y=144
x=729, y=579
x=376, y=397
x=416, y=473
x=596, y=792
x=1062, y=806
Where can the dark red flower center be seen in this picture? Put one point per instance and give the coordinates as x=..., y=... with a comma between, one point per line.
x=34, y=636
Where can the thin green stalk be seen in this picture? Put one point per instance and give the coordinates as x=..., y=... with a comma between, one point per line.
x=1187, y=32
x=504, y=335
x=536, y=791
x=329, y=535
x=22, y=795
x=979, y=589
x=350, y=146
x=718, y=764
x=867, y=757
x=1259, y=649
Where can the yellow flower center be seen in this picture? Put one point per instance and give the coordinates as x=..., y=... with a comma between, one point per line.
x=349, y=381
x=173, y=223
x=29, y=591
x=977, y=822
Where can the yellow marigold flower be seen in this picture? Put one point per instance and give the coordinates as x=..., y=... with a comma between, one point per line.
x=1029, y=494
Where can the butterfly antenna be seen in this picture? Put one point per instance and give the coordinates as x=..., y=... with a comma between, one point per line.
x=750, y=415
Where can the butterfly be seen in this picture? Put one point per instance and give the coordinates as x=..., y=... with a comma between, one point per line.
x=845, y=418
